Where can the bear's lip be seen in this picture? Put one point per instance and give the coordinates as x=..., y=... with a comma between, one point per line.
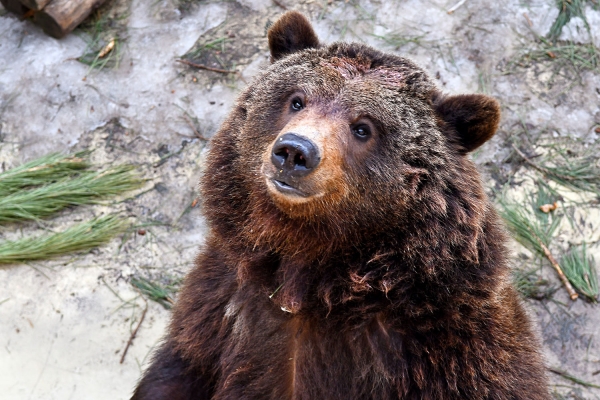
x=286, y=188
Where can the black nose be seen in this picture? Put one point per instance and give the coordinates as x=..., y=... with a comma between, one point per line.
x=295, y=155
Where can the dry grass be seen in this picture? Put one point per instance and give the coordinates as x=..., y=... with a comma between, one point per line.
x=570, y=164
x=104, y=33
x=565, y=58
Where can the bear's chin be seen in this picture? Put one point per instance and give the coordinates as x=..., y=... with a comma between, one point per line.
x=285, y=196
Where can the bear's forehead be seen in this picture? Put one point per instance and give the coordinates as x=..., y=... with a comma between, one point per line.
x=327, y=71
x=357, y=68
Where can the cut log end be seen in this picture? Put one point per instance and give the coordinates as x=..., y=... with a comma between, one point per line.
x=50, y=25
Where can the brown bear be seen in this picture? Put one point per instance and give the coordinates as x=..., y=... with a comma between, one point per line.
x=352, y=252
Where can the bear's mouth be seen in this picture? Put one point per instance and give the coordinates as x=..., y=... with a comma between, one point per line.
x=286, y=188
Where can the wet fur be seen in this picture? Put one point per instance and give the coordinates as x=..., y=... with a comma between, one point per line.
x=398, y=290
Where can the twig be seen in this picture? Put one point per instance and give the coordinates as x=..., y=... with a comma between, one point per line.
x=572, y=293
x=455, y=7
x=189, y=121
x=277, y=2
x=540, y=168
x=528, y=20
x=135, y=331
x=200, y=66
x=572, y=378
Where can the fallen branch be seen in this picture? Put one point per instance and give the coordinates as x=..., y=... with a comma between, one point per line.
x=133, y=334
x=201, y=66
x=572, y=293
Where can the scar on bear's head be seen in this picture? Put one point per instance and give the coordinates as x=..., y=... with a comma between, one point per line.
x=291, y=33
x=347, y=67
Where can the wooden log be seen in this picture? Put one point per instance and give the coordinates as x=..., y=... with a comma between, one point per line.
x=62, y=16
x=14, y=6
x=36, y=5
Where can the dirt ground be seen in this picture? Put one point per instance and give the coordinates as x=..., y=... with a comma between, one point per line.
x=65, y=323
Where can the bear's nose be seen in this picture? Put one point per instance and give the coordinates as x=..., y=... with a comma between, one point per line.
x=295, y=155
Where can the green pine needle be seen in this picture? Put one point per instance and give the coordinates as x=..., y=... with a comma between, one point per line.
x=528, y=228
x=88, y=187
x=564, y=55
x=155, y=291
x=581, y=272
x=567, y=10
x=580, y=173
x=571, y=166
x=80, y=237
x=530, y=285
x=42, y=171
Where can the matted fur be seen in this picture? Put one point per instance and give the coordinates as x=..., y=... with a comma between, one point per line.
x=392, y=285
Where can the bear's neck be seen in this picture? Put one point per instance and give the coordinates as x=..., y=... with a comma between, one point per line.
x=420, y=268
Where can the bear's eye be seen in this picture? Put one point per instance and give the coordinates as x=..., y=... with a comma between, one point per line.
x=297, y=104
x=362, y=131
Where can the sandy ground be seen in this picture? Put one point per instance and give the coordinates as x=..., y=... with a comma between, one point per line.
x=64, y=323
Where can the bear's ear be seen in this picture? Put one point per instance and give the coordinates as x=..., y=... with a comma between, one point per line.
x=471, y=119
x=290, y=33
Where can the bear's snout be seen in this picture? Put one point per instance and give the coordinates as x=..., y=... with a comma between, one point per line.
x=295, y=156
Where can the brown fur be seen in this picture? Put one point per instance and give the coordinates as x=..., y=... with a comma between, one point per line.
x=292, y=32
x=387, y=281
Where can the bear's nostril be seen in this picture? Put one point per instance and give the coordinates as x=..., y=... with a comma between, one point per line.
x=299, y=160
x=295, y=155
x=283, y=154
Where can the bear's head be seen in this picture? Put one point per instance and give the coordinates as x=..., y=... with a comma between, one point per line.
x=333, y=144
